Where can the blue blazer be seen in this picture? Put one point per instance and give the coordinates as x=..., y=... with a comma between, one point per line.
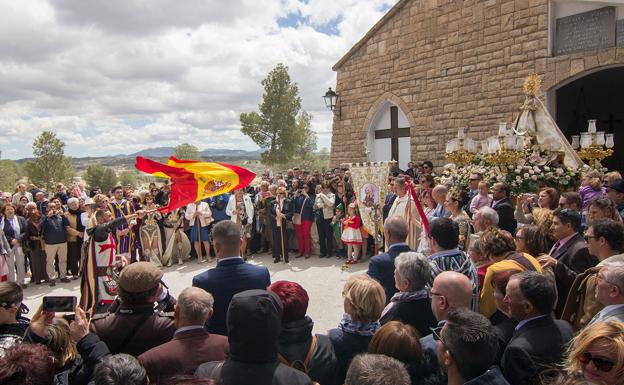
x=224, y=281
x=381, y=267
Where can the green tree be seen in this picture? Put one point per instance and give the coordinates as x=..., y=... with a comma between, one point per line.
x=306, y=143
x=9, y=175
x=97, y=175
x=275, y=127
x=50, y=165
x=128, y=177
x=186, y=151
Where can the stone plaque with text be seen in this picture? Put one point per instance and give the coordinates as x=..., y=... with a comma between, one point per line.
x=619, y=33
x=585, y=31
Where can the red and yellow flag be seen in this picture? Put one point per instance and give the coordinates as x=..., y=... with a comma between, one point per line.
x=193, y=180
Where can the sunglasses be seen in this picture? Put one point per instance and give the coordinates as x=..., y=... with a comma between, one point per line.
x=601, y=363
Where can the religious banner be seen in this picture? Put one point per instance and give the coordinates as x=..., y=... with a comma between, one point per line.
x=370, y=184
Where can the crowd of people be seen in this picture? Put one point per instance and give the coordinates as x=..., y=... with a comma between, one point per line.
x=494, y=290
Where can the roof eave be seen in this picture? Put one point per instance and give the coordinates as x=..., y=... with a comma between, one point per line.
x=370, y=33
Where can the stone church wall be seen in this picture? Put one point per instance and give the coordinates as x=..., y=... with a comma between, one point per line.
x=452, y=63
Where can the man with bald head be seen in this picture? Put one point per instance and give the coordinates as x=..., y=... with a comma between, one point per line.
x=21, y=192
x=450, y=290
x=191, y=345
x=381, y=267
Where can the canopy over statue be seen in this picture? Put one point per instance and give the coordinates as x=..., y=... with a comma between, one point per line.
x=535, y=122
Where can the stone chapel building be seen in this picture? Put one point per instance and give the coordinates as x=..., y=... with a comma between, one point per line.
x=429, y=67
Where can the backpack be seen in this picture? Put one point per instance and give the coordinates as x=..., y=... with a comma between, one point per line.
x=301, y=366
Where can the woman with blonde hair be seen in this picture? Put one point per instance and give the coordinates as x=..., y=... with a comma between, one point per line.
x=61, y=345
x=500, y=249
x=364, y=300
x=591, y=188
x=598, y=353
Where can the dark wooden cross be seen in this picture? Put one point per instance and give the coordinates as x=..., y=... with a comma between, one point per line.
x=611, y=122
x=394, y=133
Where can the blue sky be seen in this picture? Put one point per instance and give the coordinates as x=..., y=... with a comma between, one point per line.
x=108, y=83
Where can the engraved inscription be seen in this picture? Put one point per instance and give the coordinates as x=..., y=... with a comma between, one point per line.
x=585, y=31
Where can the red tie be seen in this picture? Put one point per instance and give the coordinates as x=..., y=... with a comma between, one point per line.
x=555, y=248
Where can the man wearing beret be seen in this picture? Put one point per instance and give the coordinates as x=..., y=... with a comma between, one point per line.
x=134, y=327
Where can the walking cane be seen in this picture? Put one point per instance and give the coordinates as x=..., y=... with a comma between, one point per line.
x=282, y=236
x=200, y=256
x=282, y=239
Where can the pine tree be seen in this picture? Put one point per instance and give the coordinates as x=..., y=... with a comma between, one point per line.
x=275, y=127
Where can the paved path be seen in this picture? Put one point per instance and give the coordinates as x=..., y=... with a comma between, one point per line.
x=323, y=279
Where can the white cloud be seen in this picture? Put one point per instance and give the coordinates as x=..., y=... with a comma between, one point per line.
x=119, y=76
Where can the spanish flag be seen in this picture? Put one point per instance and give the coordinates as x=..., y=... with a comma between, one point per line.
x=192, y=180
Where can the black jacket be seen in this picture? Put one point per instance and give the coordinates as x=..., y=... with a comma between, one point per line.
x=416, y=313
x=573, y=258
x=11, y=234
x=287, y=210
x=254, y=326
x=347, y=346
x=12, y=334
x=506, y=219
x=492, y=377
x=539, y=345
x=381, y=267
x=504, y=327
x=385, y=210
x=91, y=351
x=294, y=344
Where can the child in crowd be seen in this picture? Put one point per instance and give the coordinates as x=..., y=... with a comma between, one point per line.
x=482, y=199
x=337, y=231
x=591, y=188
x=351, y=234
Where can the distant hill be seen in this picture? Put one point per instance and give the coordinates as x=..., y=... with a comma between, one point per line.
x=122, y=162
x=163, y=152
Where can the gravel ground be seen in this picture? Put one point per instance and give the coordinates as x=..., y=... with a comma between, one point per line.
x=323, y=279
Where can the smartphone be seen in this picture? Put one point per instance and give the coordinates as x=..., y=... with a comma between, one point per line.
x=65, y=304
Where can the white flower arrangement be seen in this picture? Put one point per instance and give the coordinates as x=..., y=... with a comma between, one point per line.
x=535, y=169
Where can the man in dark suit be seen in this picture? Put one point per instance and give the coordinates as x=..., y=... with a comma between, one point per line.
x=503, y=206
x=538, y=342
x=232, y=275
x=381, y=267
x=390, y=197
x=569, y=256
x=468, y=349
x=191, y=345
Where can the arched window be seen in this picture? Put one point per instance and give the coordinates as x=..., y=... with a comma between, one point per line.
x=389, y=135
